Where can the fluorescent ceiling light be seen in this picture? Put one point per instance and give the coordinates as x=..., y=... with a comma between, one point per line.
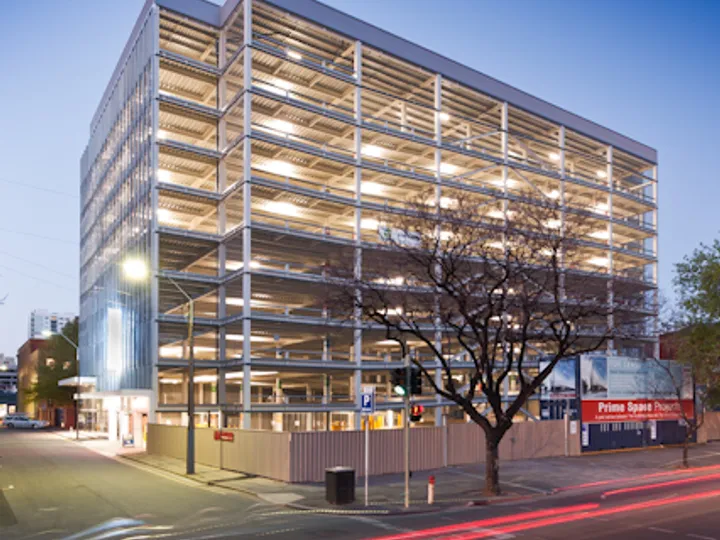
x=205, y=378
x=446, y=235
x=399, y=280
x=496, y=214
x=281, y=168
x=553, y=223
x=240, y=374
x=496, y=245
x=294, y=55
x=253, y=339
x=165, y=216
x=277, y=86
x=369, y=223
x=372, y=150
x=601, y=207
x=554, y=156
x=162, y=134
x=444, y=117
x=599, y=261
x=448, y=168
x=237, y=265
x=282, y=207
x=177, y=351
x=601, y=234
x=281, y=125
x=372, y=188
x=445, y=202
x=498, y=181
x=601, y=174
x=282, y=83
x=163, y=175
x=553, y=194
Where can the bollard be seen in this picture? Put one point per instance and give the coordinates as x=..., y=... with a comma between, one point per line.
x=431, y=490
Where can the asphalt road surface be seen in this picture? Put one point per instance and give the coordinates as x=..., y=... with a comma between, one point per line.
x=55, y=488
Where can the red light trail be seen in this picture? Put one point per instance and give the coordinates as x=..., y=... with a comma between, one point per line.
x=429, y=533
x=585, y=515
x=543, y=518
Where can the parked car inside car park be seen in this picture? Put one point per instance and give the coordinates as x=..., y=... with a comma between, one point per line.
x=23, y=421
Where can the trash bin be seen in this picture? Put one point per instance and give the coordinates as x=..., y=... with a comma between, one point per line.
x=340, y=485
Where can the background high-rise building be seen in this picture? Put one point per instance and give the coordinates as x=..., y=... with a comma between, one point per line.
x=42, y=320
x=238, y=149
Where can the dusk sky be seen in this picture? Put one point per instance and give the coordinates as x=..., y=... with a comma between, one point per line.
x=645, y=68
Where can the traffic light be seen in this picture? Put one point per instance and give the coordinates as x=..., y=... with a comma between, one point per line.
x=415, y=381
x=398, y=378
x=416, y=412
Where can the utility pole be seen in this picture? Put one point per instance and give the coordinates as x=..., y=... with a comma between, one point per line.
x=406, y=429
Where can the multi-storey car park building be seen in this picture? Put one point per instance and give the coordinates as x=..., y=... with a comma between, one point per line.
x=240, y=147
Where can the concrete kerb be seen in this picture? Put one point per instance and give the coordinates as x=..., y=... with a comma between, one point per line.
x=377, y=509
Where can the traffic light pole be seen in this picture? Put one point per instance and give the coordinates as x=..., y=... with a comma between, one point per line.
x=407, y=430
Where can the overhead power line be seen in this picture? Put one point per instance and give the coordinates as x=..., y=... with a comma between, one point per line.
x=62, y=240
x=39, y=265
x=43, y=280
x=40, y=188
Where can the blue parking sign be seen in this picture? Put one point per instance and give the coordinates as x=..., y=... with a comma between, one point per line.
x=367, y=400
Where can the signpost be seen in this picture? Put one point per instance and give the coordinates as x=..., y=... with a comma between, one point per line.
x=367, y=407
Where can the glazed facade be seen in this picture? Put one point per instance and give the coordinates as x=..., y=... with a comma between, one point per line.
x=239, y=148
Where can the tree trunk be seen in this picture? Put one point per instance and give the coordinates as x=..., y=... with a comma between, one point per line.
x=492, y=465
x=685, y=454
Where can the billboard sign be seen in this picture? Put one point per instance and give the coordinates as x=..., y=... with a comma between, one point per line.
x=622, y=389
x=634, y=410
x=620, y=377
x=561, y=383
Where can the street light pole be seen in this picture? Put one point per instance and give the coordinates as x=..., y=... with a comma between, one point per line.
x=137, y=270
x=190, y=458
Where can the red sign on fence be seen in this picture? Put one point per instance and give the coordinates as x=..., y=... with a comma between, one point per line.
x=227, y=436
x=634, y=410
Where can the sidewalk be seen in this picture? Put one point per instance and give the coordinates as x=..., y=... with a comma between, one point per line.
x=99, y=442
x=454, y=486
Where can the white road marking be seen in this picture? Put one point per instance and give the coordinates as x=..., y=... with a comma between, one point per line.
x=523, y=486
x=700, y=536
x=492, y=532
x=380, y=524
x=659, y=529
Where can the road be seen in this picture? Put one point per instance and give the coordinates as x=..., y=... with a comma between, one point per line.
x=55, y=488
x=52, y=487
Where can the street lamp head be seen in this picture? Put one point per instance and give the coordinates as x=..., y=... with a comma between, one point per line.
x=135, y=269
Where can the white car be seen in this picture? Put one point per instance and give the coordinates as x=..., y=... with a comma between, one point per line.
x=23, y=421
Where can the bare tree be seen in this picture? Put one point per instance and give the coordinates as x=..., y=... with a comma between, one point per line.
x=484, y=288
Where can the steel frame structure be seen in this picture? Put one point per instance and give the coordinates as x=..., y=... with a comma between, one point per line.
x=276, y=135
